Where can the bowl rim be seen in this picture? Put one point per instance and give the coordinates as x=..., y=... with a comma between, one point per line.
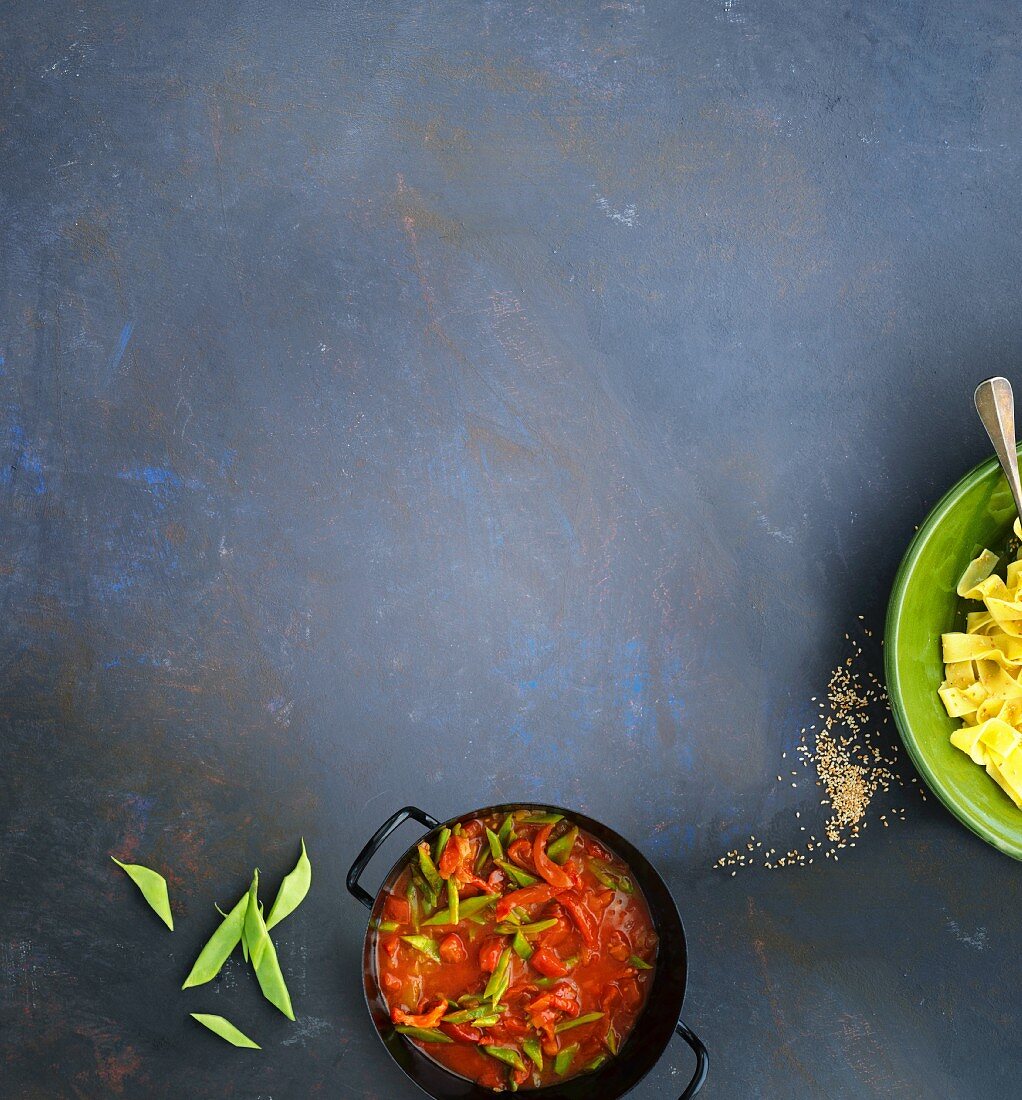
x=892, y=676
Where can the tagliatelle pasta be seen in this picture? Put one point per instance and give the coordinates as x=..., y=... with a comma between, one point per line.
x=983, y=672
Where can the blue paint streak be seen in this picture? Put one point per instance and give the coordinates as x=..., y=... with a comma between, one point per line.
x=122, y=345
x=25, y=458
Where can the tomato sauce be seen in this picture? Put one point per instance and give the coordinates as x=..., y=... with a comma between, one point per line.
x=543, y=970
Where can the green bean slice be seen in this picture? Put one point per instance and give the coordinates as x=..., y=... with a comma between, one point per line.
x=154, y=889
x=428, y=868
x=453, y=901
x=467, y=907
x=638, y=963
x=562, y=1063
x=496, y=848
x=424, y=944
x=588, y=1018
x=423, y=1034
x=523, y=878
x=465, y=1015
x=441, y=843
x=541, y=819
x=508, y=1055
x=522, y=947
x=534, y=1052
x=560, y=849
x=612, y=1041
x=595, y=1063
x=506, y=832
x=498, y=975
x=225, y=1029
x=219, y=946
x=505, y=928
x=292, y=890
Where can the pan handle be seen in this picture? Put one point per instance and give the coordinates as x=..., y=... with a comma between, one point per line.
x=373, y=845
x=702, y=1060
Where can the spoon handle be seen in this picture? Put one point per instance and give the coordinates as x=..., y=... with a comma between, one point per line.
x=996, y=408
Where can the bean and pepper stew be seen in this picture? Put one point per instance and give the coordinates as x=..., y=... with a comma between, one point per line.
x=516, y=951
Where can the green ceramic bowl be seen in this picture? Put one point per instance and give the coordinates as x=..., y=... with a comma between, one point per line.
x=976, y=513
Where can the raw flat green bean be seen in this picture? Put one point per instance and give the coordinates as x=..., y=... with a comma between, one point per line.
x=268, y=972
x=505, y=928
x=441, y=843
x=641, y=964
x=508, y=1055
x=428, y=868
x=496, y=848
x=562, y=1063
x=154, y=889
x=453, y=901
x=521, y=947
x=506, y=833
x=523, y=878
x=467, y=907
x=256, y=936
x=560, y=849
x=424, y=1034
x=219, y=946
x=292, y=890
x=424, y=944
x=534, y=1052
x=588, y=1018
x=541, y=819
x=498, y=975
x=225, y=1029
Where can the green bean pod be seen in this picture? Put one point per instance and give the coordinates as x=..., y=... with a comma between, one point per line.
x=219, y=946
x=154, y=889
x=225, y=1029
x=292, y=890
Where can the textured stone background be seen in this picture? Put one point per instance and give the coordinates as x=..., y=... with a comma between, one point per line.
x=458, y=402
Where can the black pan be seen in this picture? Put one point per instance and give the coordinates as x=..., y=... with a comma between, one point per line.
x=660, y=1017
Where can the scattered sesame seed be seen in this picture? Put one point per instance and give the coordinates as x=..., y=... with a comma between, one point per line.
x=853, y=762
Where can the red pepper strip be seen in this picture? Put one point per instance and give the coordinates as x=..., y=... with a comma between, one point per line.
x=580, y=915
x=555, y=875
x=466, y=878
x=530, y=895
x=547, y=963
x=423, y=1019
x=462, y=1033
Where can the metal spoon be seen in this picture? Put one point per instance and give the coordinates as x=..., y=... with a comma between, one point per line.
x=996, y=408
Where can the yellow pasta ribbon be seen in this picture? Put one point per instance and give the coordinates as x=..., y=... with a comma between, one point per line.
x=983, y=672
